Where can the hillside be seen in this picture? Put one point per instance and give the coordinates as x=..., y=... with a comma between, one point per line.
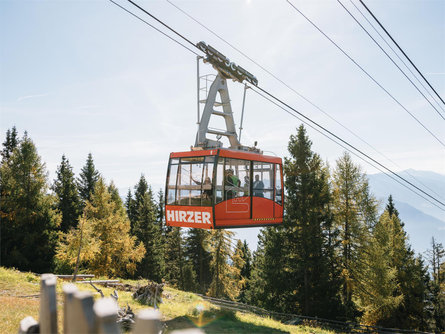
x=181, y=310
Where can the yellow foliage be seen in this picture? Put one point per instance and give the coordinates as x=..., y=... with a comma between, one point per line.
x=103, y=234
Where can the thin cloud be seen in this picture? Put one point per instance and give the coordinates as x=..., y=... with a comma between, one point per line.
x=27, y=97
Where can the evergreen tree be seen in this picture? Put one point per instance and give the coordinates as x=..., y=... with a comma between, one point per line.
x=28, y=220
x=148, y=231
x=308, y=222
x=10, y=143
x=355, y=214
x=67, y=194
x=175, y=258
x=87, y=179
x=390, y=208
x=197, y=251
x=130, y=207
x=160, y=217
x=270, y=279
x=103, y=233
x=246, y=271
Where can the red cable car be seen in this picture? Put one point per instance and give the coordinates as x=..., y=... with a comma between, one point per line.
x=212, y=187
x=222, y=188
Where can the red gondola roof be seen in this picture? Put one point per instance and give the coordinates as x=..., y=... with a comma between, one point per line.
x=228, y=154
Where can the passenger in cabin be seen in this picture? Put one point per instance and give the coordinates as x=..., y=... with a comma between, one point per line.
x=207, y=190
x=258, y=187
x=231, y=181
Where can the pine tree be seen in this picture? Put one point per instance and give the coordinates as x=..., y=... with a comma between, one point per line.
x=148, y=231
x=308, y=220
x=197, y=251
x=160, y=217
x=129, y=206
x=179, y=271
x=68, y=200
x=87, y=179
x=174, y=256
x=107, y=247
x=246, y=271
x=10, y=143
x=28, y=220
x=390, y=208
x=355, y=214
x=270, y=278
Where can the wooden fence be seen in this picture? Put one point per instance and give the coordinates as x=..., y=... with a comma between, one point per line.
x=295, y=319
x=81, y=314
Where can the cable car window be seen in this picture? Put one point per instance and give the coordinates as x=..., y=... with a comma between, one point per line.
x=174, y=161
x=189, y=182
x=278, y=190
x=210, y=159
x=263, y=180
x=207, y=184
x=171, y=189
x=219, y=180
x=236, y=178
x=191, y=160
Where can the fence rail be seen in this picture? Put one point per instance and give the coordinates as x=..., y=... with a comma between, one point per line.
x=347, y=327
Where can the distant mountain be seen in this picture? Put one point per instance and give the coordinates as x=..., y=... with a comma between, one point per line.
x=422, y=219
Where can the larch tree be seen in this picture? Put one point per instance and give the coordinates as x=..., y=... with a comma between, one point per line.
x=377, y=288
x=411, y=276
x=436, y=260
x=67, y=195
x=28, y=221
x=237, y=266
x=103, y=233
x=224, y=277
x=354, y=216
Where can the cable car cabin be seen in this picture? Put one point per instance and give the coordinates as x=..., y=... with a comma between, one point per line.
x=222, y=188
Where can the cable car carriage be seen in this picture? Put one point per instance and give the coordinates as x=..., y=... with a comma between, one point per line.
x=213, y=187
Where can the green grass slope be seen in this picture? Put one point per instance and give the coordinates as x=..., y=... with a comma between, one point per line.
x=181, y=310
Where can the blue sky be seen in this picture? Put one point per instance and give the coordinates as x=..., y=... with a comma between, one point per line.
x=85, y=76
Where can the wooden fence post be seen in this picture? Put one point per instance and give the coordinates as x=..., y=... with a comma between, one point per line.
x=80, y=314
x=148, y=322
x=68, y=299
x=106, y=316
x=48, y=304
x=26, y=325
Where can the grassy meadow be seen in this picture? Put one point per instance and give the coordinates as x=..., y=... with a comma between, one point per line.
x=180, y=310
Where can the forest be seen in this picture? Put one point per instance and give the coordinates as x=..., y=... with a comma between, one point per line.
x=340, y=254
